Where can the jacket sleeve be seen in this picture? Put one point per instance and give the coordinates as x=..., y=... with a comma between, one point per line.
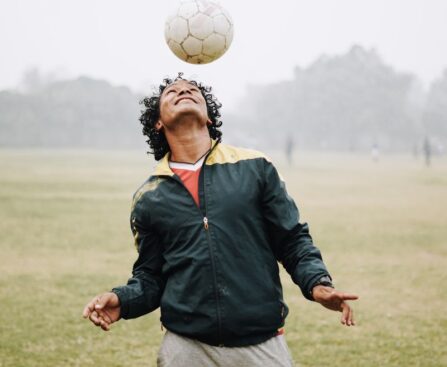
x=290, y=240
x=143, y=291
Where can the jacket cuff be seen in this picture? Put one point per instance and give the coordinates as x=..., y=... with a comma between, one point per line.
x=313, y=283
x=124, y=305
x=307, y=283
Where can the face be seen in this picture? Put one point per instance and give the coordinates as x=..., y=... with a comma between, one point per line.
x=181, y=99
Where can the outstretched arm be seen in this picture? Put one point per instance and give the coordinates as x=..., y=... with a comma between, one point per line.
x=143, y=290
x=294, y=248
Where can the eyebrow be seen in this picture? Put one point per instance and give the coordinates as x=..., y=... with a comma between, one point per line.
x=173, y=85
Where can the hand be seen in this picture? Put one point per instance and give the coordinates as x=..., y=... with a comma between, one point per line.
x=336, y=301
x=103, y=310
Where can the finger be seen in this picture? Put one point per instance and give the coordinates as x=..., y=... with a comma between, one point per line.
x=89, y=307
x=351, y=315
x=104, y=321
x=344, y=313
x=348, y=319
x=348, y=296
x=104, y=325
x=86, y=311
x=105, y=316
x=94, y=317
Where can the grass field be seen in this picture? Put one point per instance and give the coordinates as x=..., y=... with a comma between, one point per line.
x=382, y=229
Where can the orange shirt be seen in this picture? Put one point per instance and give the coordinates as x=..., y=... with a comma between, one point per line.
x=189, y=174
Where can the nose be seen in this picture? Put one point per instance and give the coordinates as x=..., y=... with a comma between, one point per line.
x=184, y=90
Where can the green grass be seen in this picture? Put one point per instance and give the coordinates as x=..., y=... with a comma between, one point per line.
x=65, y=237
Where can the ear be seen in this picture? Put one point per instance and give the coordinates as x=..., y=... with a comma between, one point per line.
x=159, y=126
x=209, y=122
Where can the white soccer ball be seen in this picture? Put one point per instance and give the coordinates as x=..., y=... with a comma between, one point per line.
x=199, y=32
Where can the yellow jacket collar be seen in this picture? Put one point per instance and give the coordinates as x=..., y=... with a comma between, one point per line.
x=163, y=169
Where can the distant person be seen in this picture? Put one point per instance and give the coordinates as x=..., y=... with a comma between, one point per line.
x=289, y=149
x=211, y=225
x=426, y=147
x=375, y=152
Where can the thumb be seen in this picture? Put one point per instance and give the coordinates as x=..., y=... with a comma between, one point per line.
x=102, y=301
x=107, y=299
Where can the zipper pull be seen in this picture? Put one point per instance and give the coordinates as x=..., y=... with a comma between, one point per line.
x=205, y=222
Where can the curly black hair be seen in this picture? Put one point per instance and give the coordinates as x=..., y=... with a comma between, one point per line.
x=150, y=115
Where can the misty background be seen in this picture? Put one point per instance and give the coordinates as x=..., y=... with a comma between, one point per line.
x=344, y=76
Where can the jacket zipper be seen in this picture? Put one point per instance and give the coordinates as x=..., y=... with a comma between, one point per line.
x=212, y=257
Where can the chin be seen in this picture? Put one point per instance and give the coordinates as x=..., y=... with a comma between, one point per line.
x=190, y=111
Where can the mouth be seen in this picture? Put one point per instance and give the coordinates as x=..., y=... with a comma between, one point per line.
x=185, y=98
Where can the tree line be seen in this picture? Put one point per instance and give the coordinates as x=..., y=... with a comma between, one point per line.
x=349, y=102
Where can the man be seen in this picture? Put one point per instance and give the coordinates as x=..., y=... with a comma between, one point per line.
x=289, y=148
x=210, y=226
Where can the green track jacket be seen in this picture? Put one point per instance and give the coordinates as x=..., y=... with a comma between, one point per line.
x=214, y=270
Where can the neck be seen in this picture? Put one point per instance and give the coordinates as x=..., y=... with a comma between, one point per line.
x=188, y=145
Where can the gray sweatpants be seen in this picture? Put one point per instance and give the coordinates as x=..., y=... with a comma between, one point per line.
x=178, y=351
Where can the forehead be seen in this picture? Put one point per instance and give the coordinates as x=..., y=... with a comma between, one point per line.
x=179, y=83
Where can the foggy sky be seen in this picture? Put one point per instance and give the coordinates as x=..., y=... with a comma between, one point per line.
x=123, y=41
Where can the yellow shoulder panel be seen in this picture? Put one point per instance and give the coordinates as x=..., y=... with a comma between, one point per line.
x=149, y=186
x=229, y=154
x=162, y=168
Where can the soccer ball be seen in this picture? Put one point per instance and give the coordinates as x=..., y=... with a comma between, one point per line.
x=199, y=32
